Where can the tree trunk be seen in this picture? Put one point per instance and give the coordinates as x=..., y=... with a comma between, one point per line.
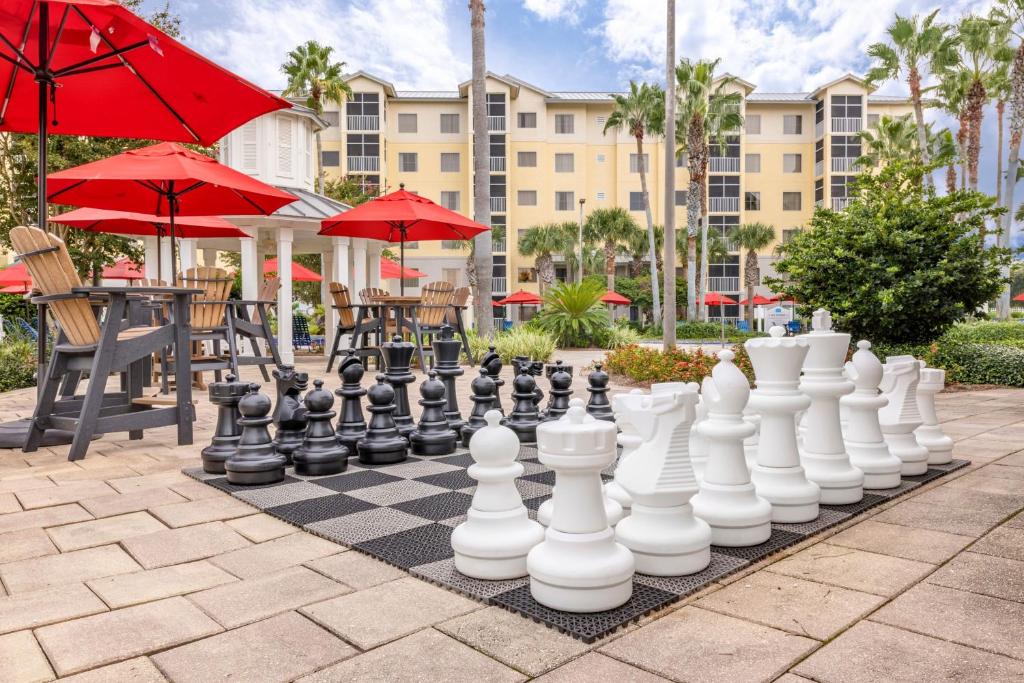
x=546, y=271
x=962, y=133
x=609, y=264
x=693, y=204
x=975, y=112
x=650, y=232
x=483, y=259
x=1016, y=130
x=668, y=328
x=1000, y=111
x=751, y=273
x=914, y=80
x=951, y=177
x=704, y=257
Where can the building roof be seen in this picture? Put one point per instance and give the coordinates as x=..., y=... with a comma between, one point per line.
x=388, y=87
x=581, y=96
x=845, y=77
x=747, y=86
x=779, y=97
x=427, y=95
x=513, y=83
x=893, y=99
x=310, y=205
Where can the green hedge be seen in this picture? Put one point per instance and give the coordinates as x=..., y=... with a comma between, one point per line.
x=710, y=330
x=985, y=331
x=17, y=365
x=982, y=363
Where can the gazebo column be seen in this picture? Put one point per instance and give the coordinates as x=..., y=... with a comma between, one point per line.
x=373, y=262
x=150, y=265
x=330, y=315
x=210, y=257
x=250, y=276
x=188, y=254
x=284, y=297
x=340, y=272
x=359, y=281
x=165, y=260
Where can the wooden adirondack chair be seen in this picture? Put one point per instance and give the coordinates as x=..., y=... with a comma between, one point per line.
x=436, y=302
x=100, y=345
x=455, y=319
x=251, y=320
x=209, y=321
x=346, y=312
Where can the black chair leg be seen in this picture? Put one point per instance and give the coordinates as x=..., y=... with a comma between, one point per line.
x=47, y=400
x=334, y=347
x=93, y=401
x=465, y=339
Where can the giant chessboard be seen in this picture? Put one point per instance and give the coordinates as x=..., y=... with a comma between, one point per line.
x=404, y=514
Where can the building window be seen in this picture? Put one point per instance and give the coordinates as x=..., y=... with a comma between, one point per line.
x=526, y=198
x=450, y=124
x=819, y=153
x=601, y=120
x=638, y=163
x=565, y=124
x=362, y=145
x=752, y=201
x=681, y=197
x=565, y=163
x=526, y=159
x=527, y=275
x=407, y=123
x=724, y=186
x=792, y=163
x=819, y=191
x=526, y=119
x=408, y=162
x=449, y=162
x=369, y=184
x=819, y=111
x=793, y=124
x=636, y=201
x=564, y=201
x=601, y=196
x=681, y=160
x=846, y=107
x=600, y=158
x=845, y=147
x=752, y=163
x=452, y=275
x=496, y=104
x=841, y=185
x=872, y=120
x=790, y=201
x=284, y=146
x=332, y=118
x=363, y=104
x=789, y=234
x=330, y=158
x=450, y=244
x=450, y=199
x=752, y=124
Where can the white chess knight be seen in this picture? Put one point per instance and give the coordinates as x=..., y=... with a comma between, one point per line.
x=865, y=444
x=727, y=500
x=901, y=416
x=498, y=533
x=777, y=474
x=823, y=453
x=930, y=434
x=579, y=567
x=665, y=537
x=630, y=439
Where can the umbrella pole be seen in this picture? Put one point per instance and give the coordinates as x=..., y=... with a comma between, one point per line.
x=721, y=319
x=159, y=258
x=44, y=45
x=172, y=206
x=401, y=251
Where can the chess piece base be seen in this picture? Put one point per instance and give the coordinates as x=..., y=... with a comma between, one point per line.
x=433, y=444
x=666, y=541
x=940, y=446
x=382, y=452
x=493, y=545
x=612, y=509
x=736, y=515
x=793, y=499
x=840, y=482
x=250, y=473
x=319, y=468
x=881, y=469
x=913, y=456
x=580, y=572
x=215, y=455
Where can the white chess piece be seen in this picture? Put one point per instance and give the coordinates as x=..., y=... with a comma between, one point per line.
x=579, y=567
x=498, y=533
x=930, y=434
x=727, y=500
x=665, y=537
x=777, y=474
x=863, y=436
x=823, y=454
x=750, y=443
x=901, y=416
x=629, y=439
x=699, y=444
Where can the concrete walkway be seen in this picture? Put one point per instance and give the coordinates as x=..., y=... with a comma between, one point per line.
x=120, y=568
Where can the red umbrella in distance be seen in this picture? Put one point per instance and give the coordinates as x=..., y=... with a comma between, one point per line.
x=15, y=289
x=615, y=299
x=1019, y=297
x=759, y=300
x=520, y=297
x=716, y=299
x=124, y=269
x=402, y=217
x=299, y=272
x=15, y=275
x=389, y=270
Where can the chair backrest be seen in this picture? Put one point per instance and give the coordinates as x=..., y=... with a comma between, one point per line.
x=458, y=301
x=268, y=292
x=368, y=295
x=147, y=282
x=342, y=303
x=436, y=298
x=47, y=260
x=300, y=331
x=216, y=286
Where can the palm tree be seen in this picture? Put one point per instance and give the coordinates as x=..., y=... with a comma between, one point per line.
x=611, y=227
x=943, y=150
x=641, y=112
x=950, y=95
x=753, y=237
x=636, y=248
x=542, y=242
x=311, y=73
x=483, y=259
x=892, y=139
x=917, y=45
x=999, y=87
x=668, y=328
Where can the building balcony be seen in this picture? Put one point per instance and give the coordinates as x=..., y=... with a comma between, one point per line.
x=846, y=125
x=724, y=165
x=819, y=130
x=499, y=285
x=724, y=204
x=362, y=122
x=842, y=164
x=496, y=124
x=498, y=246
x=363, y=164
x=724, y=284
x=840, y=203
x=498, y=204
x=497, y=164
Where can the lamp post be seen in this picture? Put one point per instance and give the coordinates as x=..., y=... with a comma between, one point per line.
x=579, y=266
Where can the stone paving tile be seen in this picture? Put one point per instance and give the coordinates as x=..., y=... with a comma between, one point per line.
x=870, y=652
x=261, y=527
x=356, y=569
x=963, y=498
x=243, y=602
x=1003, y=541
x=53, y=570
x=985, y=574
x=86, y=643
x=47, y=606
x=522, y=644
x=923, y=545
x=21, y=545
x=158, y=480
x=9, y=503
x=46, y=517
x=979, y=481
x=805, y=608
x=199, y=511
x=21, y=660
x=697, y=645
x=998, y=470
x=374, y=616
x=940, y=518
x=123, y=503
x=1016, y=460
x=186, y=544
x=424, y=656
x=99, y=474
x=138, y=670
x=103, y=531
x=25, y=483
x=71, y=492
x=281, y=648
x=272, y=556
x=1015, y=522
x=156, y=584
x=597, y=667
x=194, y=490
x=854, y=569
x=959, y=616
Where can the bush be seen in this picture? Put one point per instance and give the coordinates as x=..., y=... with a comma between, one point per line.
x=982, y=363
x=710, y=330
x=573, y=314
x=648, y=364
x=619, y=335
x=519, y=341
x=985, y=331
x=17, y=365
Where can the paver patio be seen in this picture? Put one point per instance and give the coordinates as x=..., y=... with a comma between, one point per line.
x=118, y=567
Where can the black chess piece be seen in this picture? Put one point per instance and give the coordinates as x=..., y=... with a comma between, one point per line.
x=446, y=356
x=561, y=390
x=321, y=452
x=483, y=400
x=537, y=369
x=492, y=362
x=256, y=461
x=351, y=425
x=289, y=413
x=397, y=362
x=598, y=406
x=224, y=395
x=382, y=445
x=432, y=435
x=524, y=418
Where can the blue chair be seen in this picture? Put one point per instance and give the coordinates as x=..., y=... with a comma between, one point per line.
x=742, y=326
x=506, y=325
x=300, y=333
x=793, y=327
x=28, y=329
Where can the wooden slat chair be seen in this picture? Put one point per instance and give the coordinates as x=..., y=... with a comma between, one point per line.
x=455, y=318
x=98, y=346
x=436, y=302
x=209, y=321
x=251, y=319
x=346, y=313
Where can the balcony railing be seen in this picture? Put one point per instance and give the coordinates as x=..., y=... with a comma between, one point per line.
x=725, y=165
x=724, y=204
x=363, y=122
x=498, y=246
x=498, y=285
x=496, y=124
x=842, y=164
x=363, y=164
x=846, y=125
x=819, y=168
x=819, y=129
x=498, y=164
x=731, y=245
x=724, y=284
x=840, y=203
x=498, y=204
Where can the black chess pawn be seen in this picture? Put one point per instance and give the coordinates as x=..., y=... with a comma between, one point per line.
x=446, y=356
x=524, y=418
x=561, y=390
x=224, y=395
x=432, y=435
x=320, y=453
x=256, y=461
x=397, y=363
x=289, y=413
x=492, y=362
x=598, y=406
x=483, y=400
x=382, y=445
x=351, y=425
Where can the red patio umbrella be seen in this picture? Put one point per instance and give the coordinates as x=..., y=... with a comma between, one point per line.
x=299, y=272
x=15, y=275
x=720, y=300
x=759, y=300
x=520, y=297
x=615, y=299
x=1019, y=297
x=15, y=289
x=401, y=217
x=389, y=270
x=123, y=269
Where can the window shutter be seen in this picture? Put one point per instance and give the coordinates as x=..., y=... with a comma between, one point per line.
x=250, y=147
x=284, y=146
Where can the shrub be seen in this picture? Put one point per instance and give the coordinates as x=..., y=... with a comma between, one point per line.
x=982, y=363
x=573, y=314
x=648, y=364
x=519, y=341
x=17, y=365
x=619, y=335
x=985, y=331
x=710, y=330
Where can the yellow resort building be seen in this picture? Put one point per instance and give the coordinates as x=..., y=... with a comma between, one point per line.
x=549, y=153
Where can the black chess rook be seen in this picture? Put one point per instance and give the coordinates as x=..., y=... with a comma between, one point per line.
x=397, y=363
x=224, y=395
x=446, y=357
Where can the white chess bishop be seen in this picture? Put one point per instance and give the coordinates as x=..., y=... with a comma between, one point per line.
x=930, y=434
x=498, y=533
x=901, y=416
x=579, y=567
x=665, y=537
x=727, y=500
x=823, y=453
x=777, y=474
x=863, y=434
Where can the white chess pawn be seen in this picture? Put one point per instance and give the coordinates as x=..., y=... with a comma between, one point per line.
x=823, y=454
x=901, y=416
x=699, y=444
x=629, y=439
x=579, y=567
x=930, y=434
x=750, y=443
x=777, y=474
x=727, y=500
x=498, y=533
x=863, y=436
x=665, y=537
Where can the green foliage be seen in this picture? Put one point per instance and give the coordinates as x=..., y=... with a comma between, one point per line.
x=638, y=291
x=620, y=335
x=900, y=265
x=519, y=341
x=14, y=306
x=639, y=112
x=312, y=74
x=573, y=314
x=542, y=242
x=982, y=363
x=17, y=365
x=985, y=331
x=349, y=190
x=702, y=331
x=646, y=364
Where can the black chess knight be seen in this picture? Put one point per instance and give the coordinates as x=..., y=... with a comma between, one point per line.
x=492, y=362
x=289, y=413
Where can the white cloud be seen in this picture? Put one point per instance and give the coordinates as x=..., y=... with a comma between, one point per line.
x=549, y=10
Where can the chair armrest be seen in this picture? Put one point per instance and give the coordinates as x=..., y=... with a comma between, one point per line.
x=243, y=302
x=138, y=290
x=48, y=298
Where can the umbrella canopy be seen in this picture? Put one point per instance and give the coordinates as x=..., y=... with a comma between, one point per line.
x=299, y=272
x=131, y=223
x=15, y=289
x=520, y=297
x=1019, y=297
x=15, y=275
x=716, y=299
x=615, y=298
x=389, y=270
x=760, y=300
x=124, y=269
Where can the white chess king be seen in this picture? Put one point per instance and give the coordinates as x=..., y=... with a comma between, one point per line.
x=863, y=435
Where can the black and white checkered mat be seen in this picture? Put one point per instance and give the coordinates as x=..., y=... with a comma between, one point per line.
x=404, y=514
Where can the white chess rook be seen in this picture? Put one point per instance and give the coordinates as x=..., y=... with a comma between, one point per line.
x=630, y=439
x=823, y=453
x=727, y=500
x=863, y=434
x=498, y=533
x=901, y=416
x=665, y=537
x=930, y=434
x=579, y=567
x=777, y=474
